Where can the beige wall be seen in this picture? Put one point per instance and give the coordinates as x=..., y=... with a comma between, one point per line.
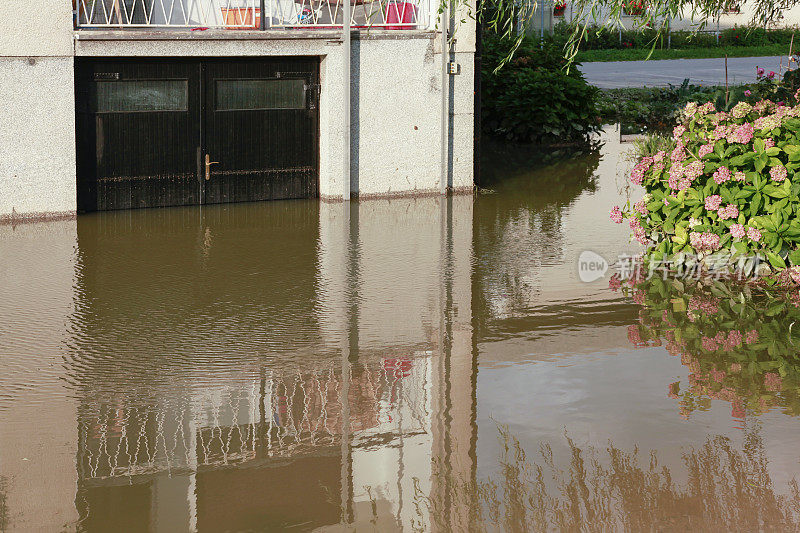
x=37, y=118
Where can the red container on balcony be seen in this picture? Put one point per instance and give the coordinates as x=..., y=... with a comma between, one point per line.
x=241, y=18
x=401, y=13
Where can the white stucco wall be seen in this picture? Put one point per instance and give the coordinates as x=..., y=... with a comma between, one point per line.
x=35, y=28
x=37, y=118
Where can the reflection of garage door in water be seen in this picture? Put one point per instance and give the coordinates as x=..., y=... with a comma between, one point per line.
x=183, y=132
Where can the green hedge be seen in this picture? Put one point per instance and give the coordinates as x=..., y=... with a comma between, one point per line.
x=603, y=38
x=532, y=98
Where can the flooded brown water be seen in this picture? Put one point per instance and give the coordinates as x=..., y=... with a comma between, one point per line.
x=403, y=365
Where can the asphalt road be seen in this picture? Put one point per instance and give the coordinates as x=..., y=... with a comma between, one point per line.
x=618, y=74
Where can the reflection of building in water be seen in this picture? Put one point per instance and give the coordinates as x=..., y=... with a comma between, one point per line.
x=273, y=425
x=290, y=421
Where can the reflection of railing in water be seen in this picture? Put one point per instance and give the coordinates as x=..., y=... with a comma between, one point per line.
x=246, y=14
x=284, y=414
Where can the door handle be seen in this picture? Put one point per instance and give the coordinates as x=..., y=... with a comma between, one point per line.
x=209, y=162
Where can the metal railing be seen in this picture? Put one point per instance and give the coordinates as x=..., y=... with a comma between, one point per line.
x=246, y=14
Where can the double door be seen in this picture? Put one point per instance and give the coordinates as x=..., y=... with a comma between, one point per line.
x=173, y=131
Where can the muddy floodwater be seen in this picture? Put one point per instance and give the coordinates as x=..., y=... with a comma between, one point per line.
x=392, y=365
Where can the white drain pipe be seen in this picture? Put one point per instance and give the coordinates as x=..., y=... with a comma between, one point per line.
x=445, y=87
x=346, y=45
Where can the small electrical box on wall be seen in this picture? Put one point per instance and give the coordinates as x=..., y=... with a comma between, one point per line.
x=453, y=68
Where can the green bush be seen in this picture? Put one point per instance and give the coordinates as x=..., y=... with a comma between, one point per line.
x=654, y=107
x=532, y=97
x=729, y=188
x=600, y=38
x=657, y=108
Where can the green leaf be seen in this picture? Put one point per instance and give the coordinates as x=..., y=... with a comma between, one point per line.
x=756, y=204
x=794, y=257
x=775, y=260
x=761, y=162
x=775, y=192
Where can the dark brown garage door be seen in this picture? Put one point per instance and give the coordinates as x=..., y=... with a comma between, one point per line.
x=191, y=131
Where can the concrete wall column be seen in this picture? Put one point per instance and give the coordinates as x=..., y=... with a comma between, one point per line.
x=37, y=111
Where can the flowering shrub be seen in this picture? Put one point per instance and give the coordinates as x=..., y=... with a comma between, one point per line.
x=737, y=341
x=729, y=182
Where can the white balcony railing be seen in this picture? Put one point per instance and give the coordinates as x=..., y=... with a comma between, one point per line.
x=246, y=14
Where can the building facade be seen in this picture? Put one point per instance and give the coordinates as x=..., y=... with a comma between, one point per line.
x=114, y=104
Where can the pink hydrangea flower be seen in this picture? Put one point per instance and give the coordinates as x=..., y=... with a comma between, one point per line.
x=741, y=109
x=739, y=176
x=742, y=134
x=721, y=175
x=738, y=231
x=637, y=175
x=728, y=212
x=706, y=108
x=720, y=132
x=706, y=149
x=659, y=156
x=641, y=207
x=778, y=173
x=616, y=214
x=753, y=234
x=678, y=154
x=769, y=143
x=713, y=201
x=751, y=336
x=678, y=131
x=640, y=236
x=694, y=170
x=768, y=122
x=763, y=105
x=704, y=242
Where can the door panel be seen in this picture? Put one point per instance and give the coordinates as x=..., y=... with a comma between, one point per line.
x=261, y=128
x=144, y=127
x=138, y=131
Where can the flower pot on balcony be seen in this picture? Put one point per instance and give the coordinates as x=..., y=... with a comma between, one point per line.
x=241, y=18
x=400, y=13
